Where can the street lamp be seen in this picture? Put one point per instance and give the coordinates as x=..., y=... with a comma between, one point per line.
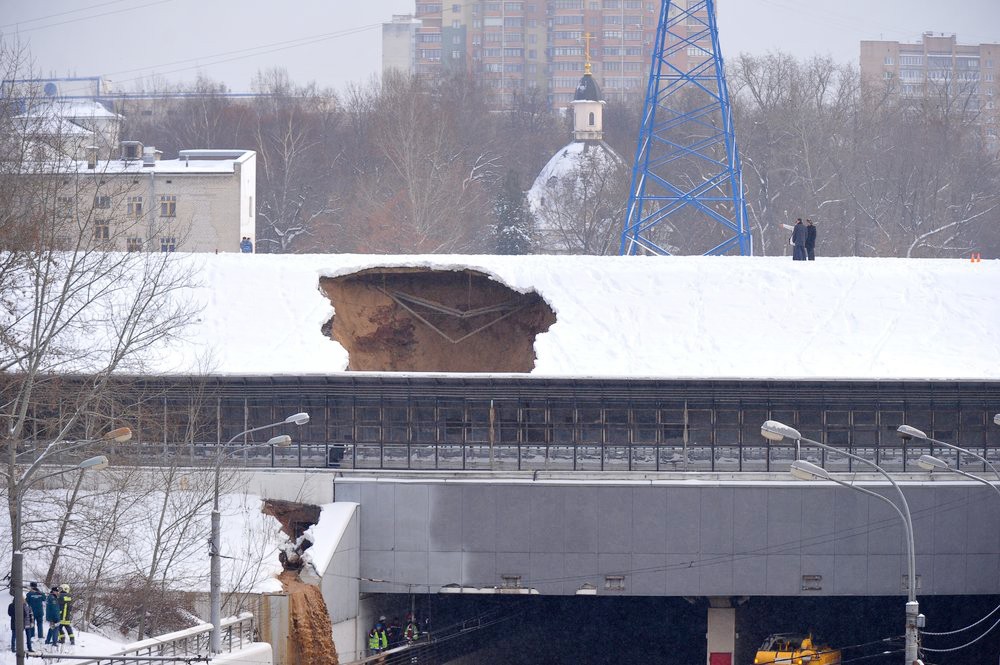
x=776, y=431
x=215, y=576
x=930, y=463
x=907, y=432
x=19, y=487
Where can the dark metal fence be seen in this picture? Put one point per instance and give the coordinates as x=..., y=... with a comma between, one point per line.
x=479, y=423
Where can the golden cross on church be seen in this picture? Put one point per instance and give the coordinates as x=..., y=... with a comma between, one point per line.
x=586, y=51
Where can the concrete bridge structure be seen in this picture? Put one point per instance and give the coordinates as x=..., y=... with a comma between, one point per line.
x=718, y=537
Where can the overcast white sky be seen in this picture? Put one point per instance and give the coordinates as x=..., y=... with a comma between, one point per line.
x=335, y=42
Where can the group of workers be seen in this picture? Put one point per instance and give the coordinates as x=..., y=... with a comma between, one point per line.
x=384, y=636
x=56, y=608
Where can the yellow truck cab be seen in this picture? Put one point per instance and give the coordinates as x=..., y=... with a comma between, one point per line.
x=795, y=649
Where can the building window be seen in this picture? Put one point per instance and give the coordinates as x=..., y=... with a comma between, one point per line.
x=888, y=60
x=103, y=202
x=887, y=75
x=102, y=229
x=135, y=206
x=133, y=244
x=168, y=205
x=65, y=206
x=592, y=119
x=168, y=244
x=614, y=582
x=456, y=8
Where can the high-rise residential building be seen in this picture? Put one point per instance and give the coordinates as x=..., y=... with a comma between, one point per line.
x=938, y=66
x=517, y=46
x=399, y=42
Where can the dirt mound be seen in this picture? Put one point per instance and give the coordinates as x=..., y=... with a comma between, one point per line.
x=419, y=320
x=309, y=633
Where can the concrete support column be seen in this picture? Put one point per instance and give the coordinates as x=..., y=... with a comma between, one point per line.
x=721, y=636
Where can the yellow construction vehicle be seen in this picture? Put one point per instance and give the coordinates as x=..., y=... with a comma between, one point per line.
x=795, y=649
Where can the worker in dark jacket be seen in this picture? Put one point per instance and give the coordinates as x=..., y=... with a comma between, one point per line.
x=36, y=601
x=52, y=611
x=29, y=626
x=799, y=241
x=810, y=240
x=66, y=616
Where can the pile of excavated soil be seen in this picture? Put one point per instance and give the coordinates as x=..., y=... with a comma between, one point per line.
x=418, y=320
x=309, y=632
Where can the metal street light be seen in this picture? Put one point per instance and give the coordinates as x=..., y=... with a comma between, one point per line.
x=215, y=565
x=20, y=487
x=907, y=432
x=930, y=463
x=776, y=431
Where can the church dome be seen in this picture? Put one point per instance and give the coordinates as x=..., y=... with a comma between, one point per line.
x=587, y=90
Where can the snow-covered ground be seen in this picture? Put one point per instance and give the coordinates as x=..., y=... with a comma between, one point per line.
x=662, y=317
x=87, y=644
x=250, y=543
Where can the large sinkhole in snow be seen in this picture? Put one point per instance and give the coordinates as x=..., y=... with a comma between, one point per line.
x=421, y=320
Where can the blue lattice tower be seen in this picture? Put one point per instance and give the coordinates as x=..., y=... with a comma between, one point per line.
x=687, y=184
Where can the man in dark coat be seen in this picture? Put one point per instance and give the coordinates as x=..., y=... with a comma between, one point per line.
x=810, y=240
x=36, y=601
x=799, y=241
x=52, y=611
x=29, y=626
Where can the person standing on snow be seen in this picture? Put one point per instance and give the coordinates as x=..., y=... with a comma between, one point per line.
x=36, y=601
x=29, y=626
x=810, y=240
x=799, y=241
x=52, y=616
x=66, y=616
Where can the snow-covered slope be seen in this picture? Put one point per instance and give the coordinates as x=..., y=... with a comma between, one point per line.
x=666, y=317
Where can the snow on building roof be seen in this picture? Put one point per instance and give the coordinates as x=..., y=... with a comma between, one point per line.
x=164, y=166
x=637, y=317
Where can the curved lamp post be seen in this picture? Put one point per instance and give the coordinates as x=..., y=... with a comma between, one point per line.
x=214, y=553
x=907, y=432
x=931, y=463
x=19, y=487
x=776, y=431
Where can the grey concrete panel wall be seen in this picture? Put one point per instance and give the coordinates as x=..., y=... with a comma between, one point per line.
x=709, y=538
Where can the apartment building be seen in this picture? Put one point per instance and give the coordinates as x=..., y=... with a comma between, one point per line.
x=203, y=201
x=516, y=46
x=938, y=65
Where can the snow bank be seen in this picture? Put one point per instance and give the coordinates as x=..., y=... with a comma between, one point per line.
x=623, y=317
x=327, y=532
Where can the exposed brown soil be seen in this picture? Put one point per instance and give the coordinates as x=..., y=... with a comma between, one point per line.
x=309, y=630
x=294, y=517
x=419, y=320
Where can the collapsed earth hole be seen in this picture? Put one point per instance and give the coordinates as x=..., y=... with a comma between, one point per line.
x=420, y=320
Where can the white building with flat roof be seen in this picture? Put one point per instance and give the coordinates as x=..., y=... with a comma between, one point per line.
x=202, y=201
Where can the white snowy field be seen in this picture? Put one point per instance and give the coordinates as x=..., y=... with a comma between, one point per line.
x=662, y=317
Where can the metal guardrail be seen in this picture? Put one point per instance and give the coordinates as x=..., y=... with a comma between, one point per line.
x=539, y=457
x=237, y=633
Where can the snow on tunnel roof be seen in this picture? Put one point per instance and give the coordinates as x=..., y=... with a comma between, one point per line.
x=638, y=317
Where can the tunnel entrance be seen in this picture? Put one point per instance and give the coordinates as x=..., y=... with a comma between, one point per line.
x=421, y=320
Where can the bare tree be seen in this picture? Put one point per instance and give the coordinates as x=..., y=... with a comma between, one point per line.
x=73, y=302
x=293, y=131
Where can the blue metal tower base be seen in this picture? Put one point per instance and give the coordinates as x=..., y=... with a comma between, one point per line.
x=687, y=182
